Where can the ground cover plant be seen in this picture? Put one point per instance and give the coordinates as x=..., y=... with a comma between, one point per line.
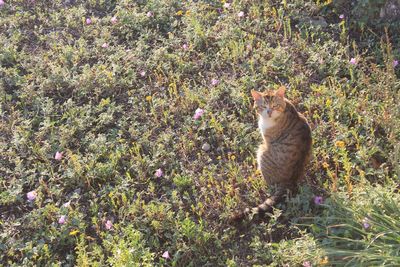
x=127, y=136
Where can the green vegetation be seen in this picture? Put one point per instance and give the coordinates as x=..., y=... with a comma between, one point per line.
x=107, y=159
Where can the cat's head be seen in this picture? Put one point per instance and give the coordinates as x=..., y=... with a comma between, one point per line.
x=270, y=104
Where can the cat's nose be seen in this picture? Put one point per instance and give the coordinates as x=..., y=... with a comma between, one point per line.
x=269, y=112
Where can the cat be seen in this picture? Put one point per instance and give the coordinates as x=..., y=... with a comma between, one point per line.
x=286, y=148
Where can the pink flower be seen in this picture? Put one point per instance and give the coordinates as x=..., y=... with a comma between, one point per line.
x=198, y=113
x=307, y=264
x=143, y=73
x=165, y=255
x=395, y=63
x=318, y=200
x=1, y=3
x=62, y=219
x=114, y=20
x=341, y=16
x=185, y=47
x=353, y=61
x=240, y=14
x=149, y=14
x=31, y=196
x=105, y=45
x=227, y=5
x=58, y=155
x=159, y=173
x=88, y=21
x=108, y=225
x=365, y=223
x=214, y=82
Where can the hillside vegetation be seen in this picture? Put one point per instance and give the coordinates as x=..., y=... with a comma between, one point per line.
x=127, y=135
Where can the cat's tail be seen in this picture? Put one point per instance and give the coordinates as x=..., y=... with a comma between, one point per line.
x=265, y=207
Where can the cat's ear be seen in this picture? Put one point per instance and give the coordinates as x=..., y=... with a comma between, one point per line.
x=257, y=96
x=281, y=92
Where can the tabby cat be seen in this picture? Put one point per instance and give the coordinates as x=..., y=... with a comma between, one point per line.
x=286, y=147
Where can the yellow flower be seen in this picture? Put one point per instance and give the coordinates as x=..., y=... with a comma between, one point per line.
x=148, y=98
x=324, y=261
x=325, y=165
x=179, y=13
x=233, y=157
x=74, y=232
x=340, y=144
x=187, y=13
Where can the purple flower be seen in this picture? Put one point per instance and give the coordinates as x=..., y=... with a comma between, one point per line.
x=1, y=3
x=214, y=82
x=353, y=61
x=88, y=21
x=114, y=20
x=395, y=63
x=143, y=73
x=307, y=264
x=105, y=45
x=318, y=200
x=159, y=173
x=198, y=113
x=341, y=16
x=185, y=46
x=365, y=223
x=62, y=219
x=149, y=14
x=165, y=255
x=31, y=196
x=58, y=155
x=241, y=14
x=108, y=225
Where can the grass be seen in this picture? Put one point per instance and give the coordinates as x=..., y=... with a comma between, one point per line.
x=118, y=100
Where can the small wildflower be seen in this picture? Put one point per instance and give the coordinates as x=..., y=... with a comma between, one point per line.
x=165, y=255
x=179, y=13
x=148, y=98
x=58, y=155
x=88, y=21
x=185, y=47
x=114, y=20
x=108, y=225
x=214, y=82
x=318, y=200
x=325, y=165
x=365, y=223
x=62, y=219
x=67, y=204
x=105, y=45
x=149, y=14
x=241, y=14
x=159, y=173
x=187, y=13
x=31, y=196
x=1, y=3
x=341, y=16
x=233, y=157
x=143, y=73
x=307, y=264
x=340, y=144
x=198, y=113
x=324, y=260
x=353, y=61
x=74, y=232
x=227, y=5
x=395, y=63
